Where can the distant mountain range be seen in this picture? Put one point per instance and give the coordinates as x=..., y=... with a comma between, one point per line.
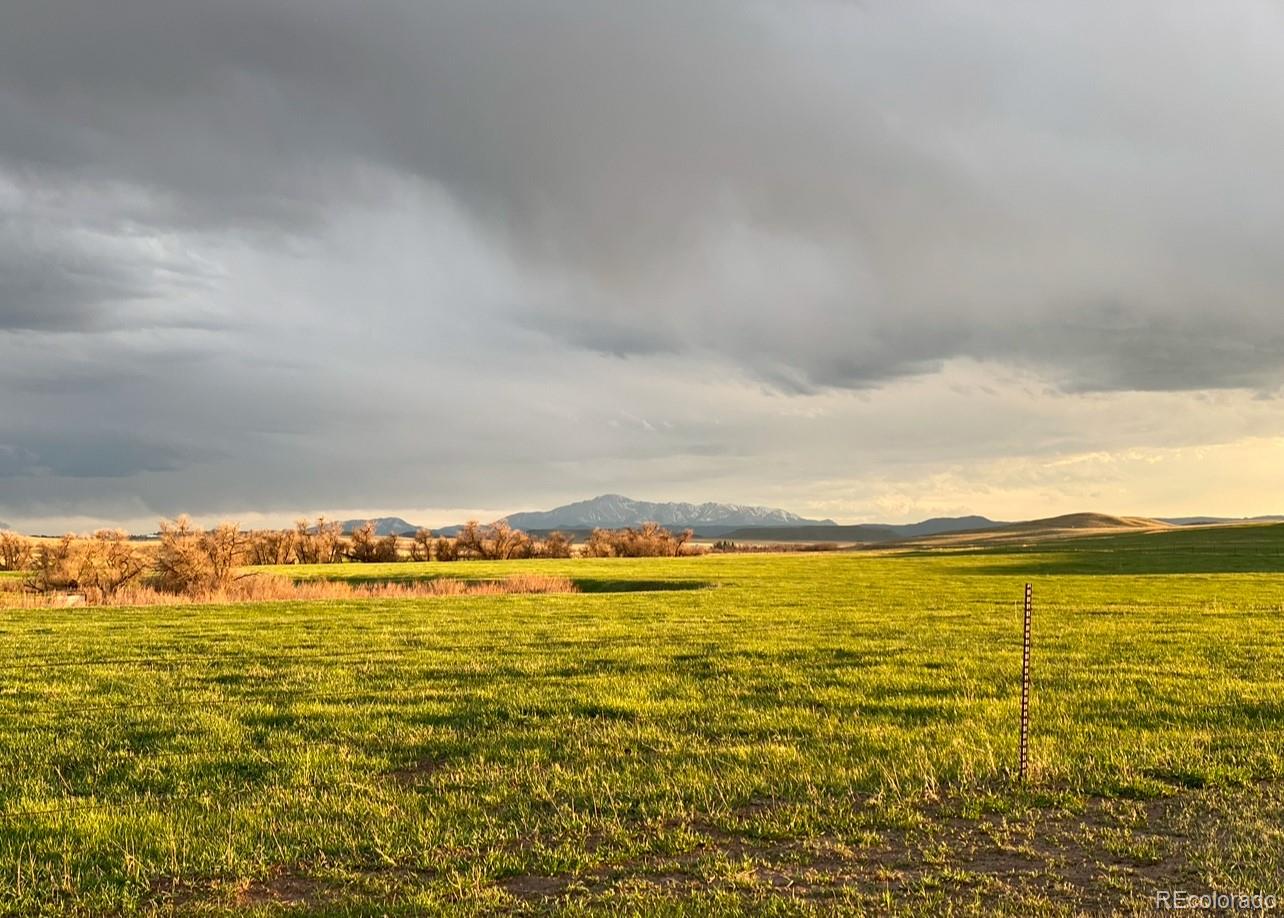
x=614, y=511
x=708, y=520
x=738, y=521
x=761, y=524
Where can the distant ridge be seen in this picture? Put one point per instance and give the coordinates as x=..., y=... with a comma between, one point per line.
x=1220, y=520
x=1069, y=526
x=613, y=511
x=866, y=532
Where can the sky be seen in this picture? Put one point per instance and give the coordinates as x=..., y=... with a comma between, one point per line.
x=866, y=261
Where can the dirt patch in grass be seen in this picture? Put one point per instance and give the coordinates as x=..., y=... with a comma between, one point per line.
x=416, y=773
x=530, y=888
x=285, y=888
x=1102, y=855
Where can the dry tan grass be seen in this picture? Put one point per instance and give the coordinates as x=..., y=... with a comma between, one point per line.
x=275, y=588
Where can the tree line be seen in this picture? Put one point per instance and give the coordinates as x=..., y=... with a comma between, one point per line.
x=188, y=560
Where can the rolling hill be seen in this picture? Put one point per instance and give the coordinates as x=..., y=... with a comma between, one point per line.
x=1069, y=526
x=1220, y=520
x=866, y=532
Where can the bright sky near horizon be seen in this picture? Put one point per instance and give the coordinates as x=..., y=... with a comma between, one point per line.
x=867, y=261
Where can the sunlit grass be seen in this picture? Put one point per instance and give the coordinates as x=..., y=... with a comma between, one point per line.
x=430, y=754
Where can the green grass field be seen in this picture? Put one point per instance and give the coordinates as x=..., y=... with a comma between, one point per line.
x=775, y=734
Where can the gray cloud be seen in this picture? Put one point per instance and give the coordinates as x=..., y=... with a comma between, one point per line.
x=88, y=455
x=951, y=181
x=221, y=224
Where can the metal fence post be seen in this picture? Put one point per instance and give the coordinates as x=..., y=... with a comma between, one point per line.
x=1025, y=687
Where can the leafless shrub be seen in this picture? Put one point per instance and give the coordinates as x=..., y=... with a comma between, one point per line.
x=650, y=540
x=15, y=551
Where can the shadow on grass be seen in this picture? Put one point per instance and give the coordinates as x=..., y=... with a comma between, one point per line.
x=593, y=585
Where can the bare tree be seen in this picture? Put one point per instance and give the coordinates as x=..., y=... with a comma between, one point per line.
x=224, y=545
x=15, y=551
x=421, y=545
x=505, y=542
x=319, y=543
x=446, y=549
x=468, y=541
x=51, y=565
x=271, y=546
x=194, y=562
x=650, y=540
x=386, y=549
x=554, y=545
x=106, y=562
x=497, y=542
x=361, y=548
x=367, y=547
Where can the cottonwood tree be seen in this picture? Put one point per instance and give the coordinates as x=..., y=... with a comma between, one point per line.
x=497, y=542
x=271, y=546
x=194, y=562
x=366, y=547
x=319, y=543
x=15, y=551
x=51, y=565
x=100, y=565
x=554, y=545
x=650, y=540
x=386, y=549
x=421, y=545
x=106, y=562
x=361, y=547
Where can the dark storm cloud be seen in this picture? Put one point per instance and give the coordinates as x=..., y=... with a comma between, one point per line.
x=210, y=205
x=60, y=289
x=953, y=179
